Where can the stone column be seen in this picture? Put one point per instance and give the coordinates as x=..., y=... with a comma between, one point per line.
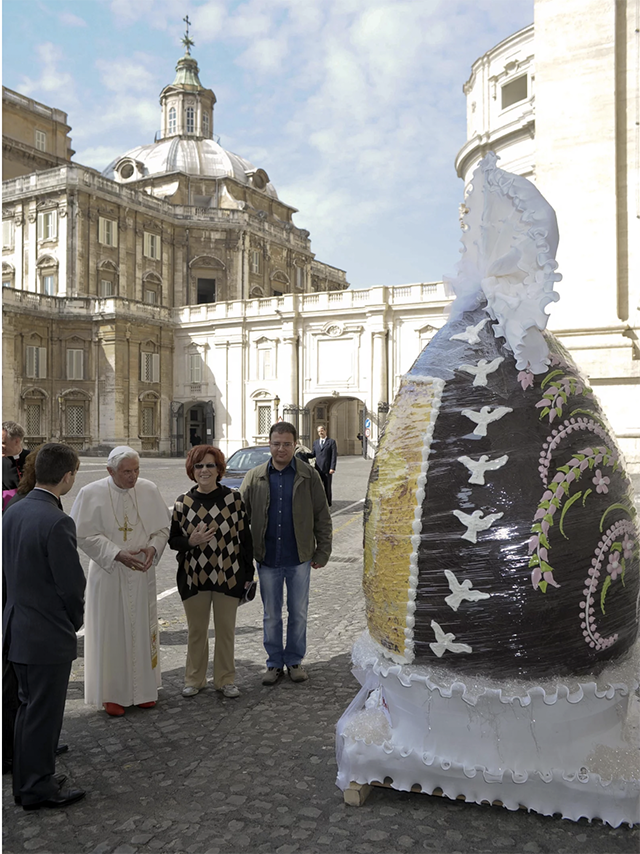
x=31, y=251
x=64, y=287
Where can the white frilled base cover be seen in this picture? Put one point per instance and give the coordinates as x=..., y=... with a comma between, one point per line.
x=569, y=747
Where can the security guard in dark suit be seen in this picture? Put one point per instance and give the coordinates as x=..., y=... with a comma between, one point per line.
x=44, y=609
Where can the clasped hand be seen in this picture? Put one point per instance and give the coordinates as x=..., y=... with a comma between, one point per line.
x=132, y=560
x=201, y=535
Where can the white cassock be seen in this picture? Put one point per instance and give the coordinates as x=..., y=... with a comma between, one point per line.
x=121, y=619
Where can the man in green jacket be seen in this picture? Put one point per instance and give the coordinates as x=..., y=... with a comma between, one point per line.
x=291, y=531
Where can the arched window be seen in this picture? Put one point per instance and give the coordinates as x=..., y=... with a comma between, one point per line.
x=172, y=120
x=205, y=124
x=191, y=120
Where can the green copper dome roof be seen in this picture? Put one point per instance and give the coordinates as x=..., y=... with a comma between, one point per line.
x=187, y=73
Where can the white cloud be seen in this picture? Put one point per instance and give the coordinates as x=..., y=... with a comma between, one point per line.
x=71, y=20
x=52, y=79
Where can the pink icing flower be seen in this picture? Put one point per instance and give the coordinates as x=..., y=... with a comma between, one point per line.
x=601, y=482
x=614, y=568
x=548, y=577
x=536, y=577
x=627, y=547
x=525, y=378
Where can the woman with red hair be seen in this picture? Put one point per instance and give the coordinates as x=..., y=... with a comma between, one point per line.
x=211, y=534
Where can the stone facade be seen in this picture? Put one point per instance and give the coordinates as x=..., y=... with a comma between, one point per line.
x=34, y=136
x=94, y=264
x=332, y=358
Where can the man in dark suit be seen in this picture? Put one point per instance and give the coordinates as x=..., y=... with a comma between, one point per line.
x=326, y=453
x=45, y=606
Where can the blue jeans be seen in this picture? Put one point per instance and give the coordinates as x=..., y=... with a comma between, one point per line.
x=272, y=582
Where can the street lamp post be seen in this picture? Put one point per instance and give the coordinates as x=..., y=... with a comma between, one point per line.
x=276, y=403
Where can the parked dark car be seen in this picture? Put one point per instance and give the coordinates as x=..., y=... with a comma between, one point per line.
x=240, y=462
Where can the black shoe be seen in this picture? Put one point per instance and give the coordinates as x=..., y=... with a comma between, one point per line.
x=61, y=748
x=64, y=798
x=60, y=780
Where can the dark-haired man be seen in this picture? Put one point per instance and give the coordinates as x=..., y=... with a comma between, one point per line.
x=292, y=531
x=44, y=610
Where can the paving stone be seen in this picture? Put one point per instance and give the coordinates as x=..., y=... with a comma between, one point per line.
x=211, y=776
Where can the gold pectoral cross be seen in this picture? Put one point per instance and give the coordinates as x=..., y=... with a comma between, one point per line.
x=125, y=527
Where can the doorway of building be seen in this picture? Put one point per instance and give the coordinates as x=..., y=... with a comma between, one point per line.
x=343, y=418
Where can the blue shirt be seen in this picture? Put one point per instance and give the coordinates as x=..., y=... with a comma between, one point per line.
x=280, y=539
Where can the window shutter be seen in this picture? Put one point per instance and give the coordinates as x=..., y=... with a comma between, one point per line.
x=146, y=250
x=40, y=226
x=31, y=362
x=155, y=367
x=75, y=364
x=42, y=363
x=114, y=233
x=7, y=232
x=101, y=229
x=143, y=367
x=54, y=225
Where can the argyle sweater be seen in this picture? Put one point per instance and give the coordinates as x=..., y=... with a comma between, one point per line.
x=225, y=563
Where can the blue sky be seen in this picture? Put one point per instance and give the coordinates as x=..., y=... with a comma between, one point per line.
x=354, y=107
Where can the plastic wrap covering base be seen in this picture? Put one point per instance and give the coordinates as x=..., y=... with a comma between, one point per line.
x=565, y=749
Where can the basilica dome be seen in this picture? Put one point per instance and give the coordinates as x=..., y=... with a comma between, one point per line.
x=185, y=142
x=201, y=157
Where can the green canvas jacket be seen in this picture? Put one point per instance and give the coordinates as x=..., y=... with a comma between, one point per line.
x=311, y=518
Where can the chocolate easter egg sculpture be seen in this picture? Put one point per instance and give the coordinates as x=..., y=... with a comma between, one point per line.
x=501, y=561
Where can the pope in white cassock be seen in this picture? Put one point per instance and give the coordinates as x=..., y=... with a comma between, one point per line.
x=123, y=526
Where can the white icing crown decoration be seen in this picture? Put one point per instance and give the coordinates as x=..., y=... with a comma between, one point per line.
x=508, y=256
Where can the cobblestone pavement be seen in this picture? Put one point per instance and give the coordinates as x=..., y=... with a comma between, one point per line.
x=210, y=775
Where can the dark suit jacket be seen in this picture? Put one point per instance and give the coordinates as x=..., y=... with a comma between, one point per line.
x=45, y=582
x=327, y=456
x=12, y=469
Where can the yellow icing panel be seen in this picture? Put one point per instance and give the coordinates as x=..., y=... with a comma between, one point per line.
x=392, y=507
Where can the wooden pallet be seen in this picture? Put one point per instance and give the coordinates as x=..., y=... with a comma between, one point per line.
x=357, y=793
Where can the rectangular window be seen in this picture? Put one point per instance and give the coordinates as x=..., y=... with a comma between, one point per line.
x=75, y=364
x=148, y=421
x=47, y=225
x=75, y=419
x=195, y=368
x=150, y=367
x=205, y=124
x=264, y=364
x=206, y=291
x=191, y=120
x=514, y=91
x=107, y=231
x=49, y=285
x=150, y=296
x=172, y=120
x=300, y=277
x=7, y=233
x=7, y=283
x=33, y=419
x=255, y=260
x=152, y=245
x=41, y=140
x=264, y=420
x=36, y=362
x=107, y=288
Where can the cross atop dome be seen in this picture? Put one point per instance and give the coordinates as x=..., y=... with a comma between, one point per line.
x=186, y=41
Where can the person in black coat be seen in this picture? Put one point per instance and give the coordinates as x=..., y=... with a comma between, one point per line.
x=13, y=459
x=44, y=609
x=326, y=453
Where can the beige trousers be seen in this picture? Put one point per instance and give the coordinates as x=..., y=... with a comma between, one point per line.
x=198, y=611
